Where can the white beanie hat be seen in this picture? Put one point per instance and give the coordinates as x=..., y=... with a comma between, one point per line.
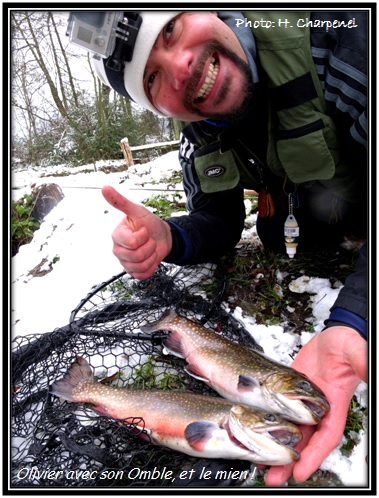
x=130, y=84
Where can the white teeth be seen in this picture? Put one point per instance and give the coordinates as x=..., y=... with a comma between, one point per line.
x=209, y=80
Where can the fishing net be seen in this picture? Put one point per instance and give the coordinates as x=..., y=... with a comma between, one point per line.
x=56, y=443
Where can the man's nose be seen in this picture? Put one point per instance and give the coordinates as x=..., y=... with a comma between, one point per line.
x=181, y=71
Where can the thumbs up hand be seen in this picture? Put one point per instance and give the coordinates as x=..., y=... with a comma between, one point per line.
x=141, y=240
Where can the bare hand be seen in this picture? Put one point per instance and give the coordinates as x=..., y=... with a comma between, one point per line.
x=141, y=240
x=336, y=361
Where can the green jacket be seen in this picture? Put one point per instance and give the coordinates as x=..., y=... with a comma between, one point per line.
x=298, y=126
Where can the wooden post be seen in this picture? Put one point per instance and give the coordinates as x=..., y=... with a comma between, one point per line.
x=124, y=144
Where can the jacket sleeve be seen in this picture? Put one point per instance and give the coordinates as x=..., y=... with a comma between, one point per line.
x=214, y=223
x=340, y=57
x=351, y=307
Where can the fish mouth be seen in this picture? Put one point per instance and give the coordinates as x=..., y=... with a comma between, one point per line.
x=284, y=436
x=301, y=409
x=269, y=440
x=209, y=81
x=317, y=407
x=281, y=435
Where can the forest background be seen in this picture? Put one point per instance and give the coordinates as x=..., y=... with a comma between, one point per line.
x=61, y=112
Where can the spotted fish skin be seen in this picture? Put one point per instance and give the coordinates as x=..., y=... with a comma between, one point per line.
x=193, y=424
x=240, y=374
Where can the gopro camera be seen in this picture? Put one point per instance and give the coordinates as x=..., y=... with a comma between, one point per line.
x=108, y=35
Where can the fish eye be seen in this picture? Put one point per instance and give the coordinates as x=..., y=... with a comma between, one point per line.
x=304, y=385
x=270, y=417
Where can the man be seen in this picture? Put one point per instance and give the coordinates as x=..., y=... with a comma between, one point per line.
x=258, y=122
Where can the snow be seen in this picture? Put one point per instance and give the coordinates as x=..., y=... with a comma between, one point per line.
x=74, y=243
x=78, y=232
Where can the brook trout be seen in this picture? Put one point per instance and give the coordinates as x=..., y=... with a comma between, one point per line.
x=194, y=424
x=241, y=374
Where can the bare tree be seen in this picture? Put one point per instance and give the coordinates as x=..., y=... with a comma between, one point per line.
x=60, y=112
x=38, y=50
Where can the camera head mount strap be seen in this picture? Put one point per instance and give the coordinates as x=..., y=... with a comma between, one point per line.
x=126, y=36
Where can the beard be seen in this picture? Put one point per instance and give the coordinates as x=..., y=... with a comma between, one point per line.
x=234, y=114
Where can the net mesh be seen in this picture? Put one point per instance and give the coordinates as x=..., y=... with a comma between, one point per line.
x=56, y=443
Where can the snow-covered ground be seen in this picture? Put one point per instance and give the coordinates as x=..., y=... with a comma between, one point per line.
x=74, y=244
x=78, y=232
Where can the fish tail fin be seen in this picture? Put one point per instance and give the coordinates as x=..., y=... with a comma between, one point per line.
x=159, y=324
x=70, y=386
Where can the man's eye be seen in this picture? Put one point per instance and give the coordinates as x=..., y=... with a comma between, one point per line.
x=150, y=80
x=169, y=28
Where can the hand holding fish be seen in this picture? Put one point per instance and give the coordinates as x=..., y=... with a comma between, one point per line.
x=141, y=240
x=336, y=360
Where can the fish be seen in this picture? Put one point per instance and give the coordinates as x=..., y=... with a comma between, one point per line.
x=239, y=373
x=195, y=424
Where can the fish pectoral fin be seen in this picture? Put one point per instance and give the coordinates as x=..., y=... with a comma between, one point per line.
x=191, y=370
x=199, y=433
x=145, y=434
x=247, y=383
x=173, y=344
x=100, y=409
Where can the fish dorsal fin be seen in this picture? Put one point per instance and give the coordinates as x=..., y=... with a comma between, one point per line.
x=192, y=370
x=247, y=383
x=199, y=433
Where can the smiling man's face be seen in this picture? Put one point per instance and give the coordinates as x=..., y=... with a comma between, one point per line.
x=197, y=69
